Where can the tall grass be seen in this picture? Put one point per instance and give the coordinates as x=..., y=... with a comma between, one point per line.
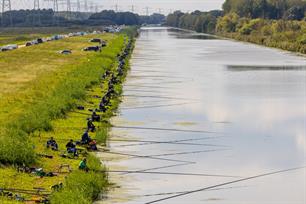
x=50, y=98
x=82, y=187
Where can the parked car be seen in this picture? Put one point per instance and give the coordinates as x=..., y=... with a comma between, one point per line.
x=28, y=44
x=8, y=47
x=92, y=48
x=66, y=52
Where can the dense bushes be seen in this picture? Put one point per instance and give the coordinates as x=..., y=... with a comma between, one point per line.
x=284, y=34
x=251, y=21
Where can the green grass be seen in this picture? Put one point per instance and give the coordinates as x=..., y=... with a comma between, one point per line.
x=42, y=107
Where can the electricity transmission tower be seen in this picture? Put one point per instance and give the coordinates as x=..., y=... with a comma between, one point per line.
x=36, y=14
x=147, y=11
x=55, y=10
x=78, y=6
x=6, y=7
x=85, y=5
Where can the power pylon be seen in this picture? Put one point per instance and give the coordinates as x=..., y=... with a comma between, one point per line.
x=6, y=7
x=85, y=5
x=36, y=13
x=147, y=11
x=78, y=6
x=36, y=5
x=68, y=6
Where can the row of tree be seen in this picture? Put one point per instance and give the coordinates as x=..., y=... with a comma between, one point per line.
x=272, y=9
x=47, y=17
x=275, y=23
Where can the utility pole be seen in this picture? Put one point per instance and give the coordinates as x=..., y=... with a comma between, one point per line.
x=36, y=12
x=68, y=6
x=6, y=7
x=85, y=5
x=132, y=8
x=147, y=11
x=55, y=10
x=92, y=7
x=159, y=10
x=116, y=8
x=78, y=6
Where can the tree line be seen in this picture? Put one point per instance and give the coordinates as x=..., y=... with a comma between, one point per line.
x=275, y=23
x=47, y=17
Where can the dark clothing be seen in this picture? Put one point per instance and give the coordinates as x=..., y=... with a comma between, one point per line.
x=95, y=117
x=52, y=143
x=71, y=148
x=90, y=126
x=85, y=138
x=70, y=145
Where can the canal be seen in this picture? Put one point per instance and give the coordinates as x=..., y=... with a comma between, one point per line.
x=199, y=111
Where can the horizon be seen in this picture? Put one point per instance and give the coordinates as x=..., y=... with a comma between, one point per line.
x=138, y=6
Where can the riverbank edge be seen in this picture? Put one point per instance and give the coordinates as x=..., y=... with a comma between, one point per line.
x=225, y=37
x=97, y=175
x=94, y=188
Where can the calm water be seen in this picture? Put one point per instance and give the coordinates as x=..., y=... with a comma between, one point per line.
x=248, y=104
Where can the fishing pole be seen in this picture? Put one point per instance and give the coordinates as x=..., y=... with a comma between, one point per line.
x=184, y=153
x=165, y=97
x=157, y=106
x=163, y=129
x=162, y=167
x=172, y=193
x=224, y=184
x=170, y=173
x=157, y=76
x=144, y=86
x=179, y=192
x=148, y=142
x=148, y=157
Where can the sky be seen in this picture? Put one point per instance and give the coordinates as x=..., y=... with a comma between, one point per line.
x=164, y=6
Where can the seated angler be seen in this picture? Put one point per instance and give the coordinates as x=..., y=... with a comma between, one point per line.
x=85, y=138
x=93, y=145
x=71, y=148
x=95, y=117
x=52, y=144
x=83, y=165
x=90, y=126
x=102, y=107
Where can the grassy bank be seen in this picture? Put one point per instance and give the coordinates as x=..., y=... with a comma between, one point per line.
x=43, y=89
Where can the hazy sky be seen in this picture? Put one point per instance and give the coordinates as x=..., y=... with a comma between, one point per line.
x=165, y=6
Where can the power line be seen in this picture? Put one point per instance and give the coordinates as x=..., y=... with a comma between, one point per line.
x=36, y=14
x=6, y=11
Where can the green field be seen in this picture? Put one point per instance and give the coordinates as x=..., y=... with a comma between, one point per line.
x=40, y=91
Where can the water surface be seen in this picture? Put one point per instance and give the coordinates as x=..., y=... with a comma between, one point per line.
x=244, y=109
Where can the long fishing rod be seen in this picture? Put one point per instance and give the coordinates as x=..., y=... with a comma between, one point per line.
x=143, y=91
x=165, y=97
x=169, y=173
x=174, y=142
x=148, y=157
x=157, y=76
x=172, y=193
x=224, y=184
x=184, y=153
x=29, y=192
x=163, y=129
x=180, y=192
x=162, y=167
x=157, y=106
x=144, y=86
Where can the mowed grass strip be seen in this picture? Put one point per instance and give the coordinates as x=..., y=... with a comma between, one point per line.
x=37, y=111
